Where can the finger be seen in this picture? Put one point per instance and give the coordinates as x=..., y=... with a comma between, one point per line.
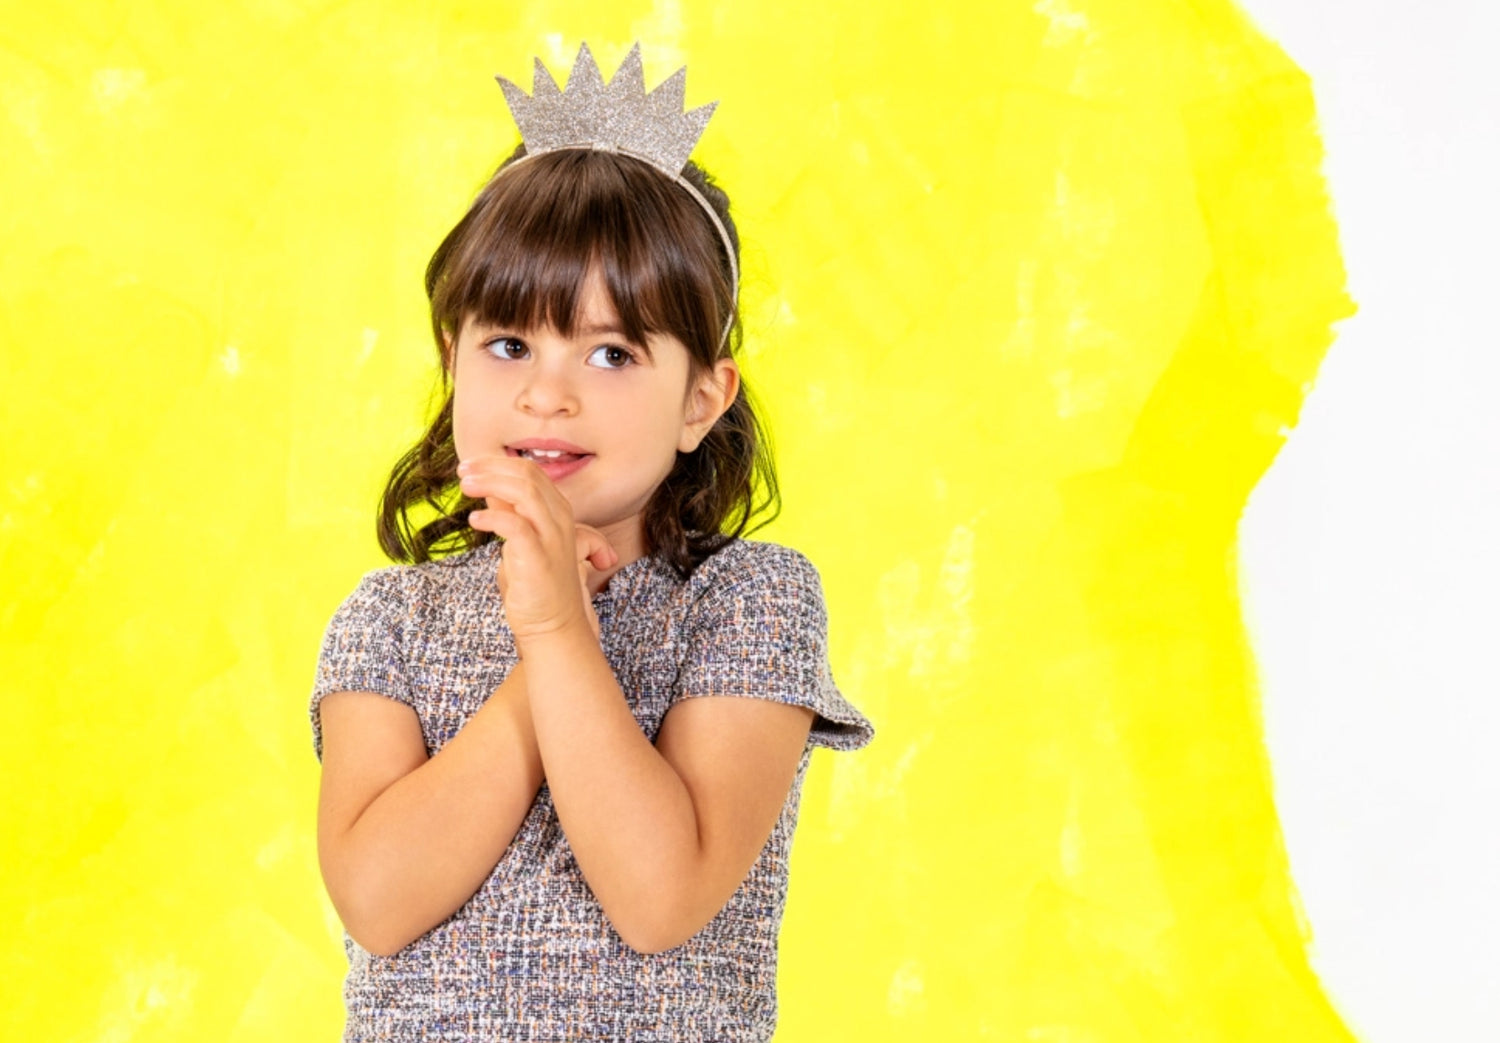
x=560, y=508
x=516, y=467
x=594, y=548
x=521, y=494
x=506, y=485
x=487, y=461
x=509, y=525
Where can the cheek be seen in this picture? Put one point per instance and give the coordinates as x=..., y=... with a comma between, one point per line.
x=663, y=428
x=467, y=421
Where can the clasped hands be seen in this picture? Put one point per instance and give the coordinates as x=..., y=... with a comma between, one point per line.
x=545, y=565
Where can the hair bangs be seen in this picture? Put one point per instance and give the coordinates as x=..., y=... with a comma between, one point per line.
x=537, y=234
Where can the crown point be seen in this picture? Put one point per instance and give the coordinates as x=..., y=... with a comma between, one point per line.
x=542, y=81
x=630, y=75
x=671, y=92
x=693, y=124
x=515, y=97
x=585, y=74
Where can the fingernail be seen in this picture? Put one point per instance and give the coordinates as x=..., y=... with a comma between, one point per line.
x=464, y=467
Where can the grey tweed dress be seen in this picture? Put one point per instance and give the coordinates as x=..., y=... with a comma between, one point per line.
x=531, y=955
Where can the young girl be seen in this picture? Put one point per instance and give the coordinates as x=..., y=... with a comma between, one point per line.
x=563, y=746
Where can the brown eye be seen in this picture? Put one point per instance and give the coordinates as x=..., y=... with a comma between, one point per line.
x=506, y=347
x=610, y=356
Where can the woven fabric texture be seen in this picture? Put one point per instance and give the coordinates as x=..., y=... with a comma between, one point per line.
x=531, y=955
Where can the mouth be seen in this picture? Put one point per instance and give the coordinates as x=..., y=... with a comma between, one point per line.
x=556, y=459
x=545, y=453
x=543, y=456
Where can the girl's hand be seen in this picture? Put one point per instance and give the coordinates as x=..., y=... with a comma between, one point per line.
x=584, y=535
x=544, y=566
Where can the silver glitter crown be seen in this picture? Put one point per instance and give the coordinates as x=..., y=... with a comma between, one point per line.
x=618, y=116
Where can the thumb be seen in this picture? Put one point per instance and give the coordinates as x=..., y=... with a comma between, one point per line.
x=594, y=548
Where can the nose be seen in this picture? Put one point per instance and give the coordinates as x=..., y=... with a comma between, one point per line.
x=546, y=392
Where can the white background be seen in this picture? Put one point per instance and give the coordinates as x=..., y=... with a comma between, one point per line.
x=1370, y=568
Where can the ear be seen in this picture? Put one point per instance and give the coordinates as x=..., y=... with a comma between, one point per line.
x=708, y=399
x=448, y=352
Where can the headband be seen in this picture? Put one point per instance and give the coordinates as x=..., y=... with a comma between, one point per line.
x=618, y=116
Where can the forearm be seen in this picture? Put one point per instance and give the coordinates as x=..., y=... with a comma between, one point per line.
x=427, y=843
x=627, y=814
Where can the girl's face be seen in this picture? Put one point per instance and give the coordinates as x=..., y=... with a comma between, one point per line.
x=604, y=418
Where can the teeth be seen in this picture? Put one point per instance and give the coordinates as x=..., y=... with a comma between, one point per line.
x=543, y=454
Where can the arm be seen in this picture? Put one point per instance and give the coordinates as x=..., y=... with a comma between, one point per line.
x=404, y=840
x=664, y=834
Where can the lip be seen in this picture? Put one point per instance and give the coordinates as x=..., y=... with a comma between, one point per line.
x=555, y=470
x=548, y=443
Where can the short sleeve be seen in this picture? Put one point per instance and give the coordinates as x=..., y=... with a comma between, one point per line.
x=362, y=647
x=761, y=631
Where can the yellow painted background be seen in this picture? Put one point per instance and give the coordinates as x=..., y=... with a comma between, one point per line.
x=1034, y=295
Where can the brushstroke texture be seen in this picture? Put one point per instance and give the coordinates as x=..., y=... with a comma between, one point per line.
x=1034, y=294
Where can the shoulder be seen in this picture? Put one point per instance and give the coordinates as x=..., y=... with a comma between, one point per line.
x=454, y=572
x=758, y=580
x=396, y=593
x=759, y=628
x=749, y=564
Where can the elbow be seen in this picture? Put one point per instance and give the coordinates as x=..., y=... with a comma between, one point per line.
x=375, y=937
x=657, y=927
x=650, y=942
x=663, y=908
x=368, y=914
x=379, y=943
x=374, y=929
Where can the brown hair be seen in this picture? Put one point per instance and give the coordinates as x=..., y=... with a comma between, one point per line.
x=519, y=258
